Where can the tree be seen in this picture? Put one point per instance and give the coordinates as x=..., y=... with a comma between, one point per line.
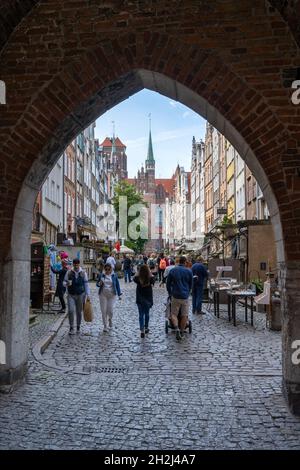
x=136, y=220
x=227, y=220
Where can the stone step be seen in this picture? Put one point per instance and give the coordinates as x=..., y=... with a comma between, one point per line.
x=33, y=319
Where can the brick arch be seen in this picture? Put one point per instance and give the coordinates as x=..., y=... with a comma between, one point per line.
x=80, y=93
x=12, y=13
x=65, y=80
x=111, y=95
x=290, y=12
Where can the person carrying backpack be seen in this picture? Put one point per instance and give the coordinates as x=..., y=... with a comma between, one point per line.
x=162, y=268
x=77, y=284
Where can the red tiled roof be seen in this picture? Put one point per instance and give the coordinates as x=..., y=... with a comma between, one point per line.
x=106, y=143
x=167, y=183
x=119, y=143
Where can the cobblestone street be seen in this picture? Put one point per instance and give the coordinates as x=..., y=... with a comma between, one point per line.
x=219, y=388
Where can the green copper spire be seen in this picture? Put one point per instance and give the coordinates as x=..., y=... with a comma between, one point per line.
x=150, y=157
x=113, y=141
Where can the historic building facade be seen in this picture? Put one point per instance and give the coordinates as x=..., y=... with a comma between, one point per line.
x=155, y=192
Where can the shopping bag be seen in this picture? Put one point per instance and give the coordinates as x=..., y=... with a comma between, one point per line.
x=88, y=311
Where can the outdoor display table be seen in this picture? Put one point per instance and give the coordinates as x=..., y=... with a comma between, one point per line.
x=216, y=286
x=233, y=297
x=216, y=298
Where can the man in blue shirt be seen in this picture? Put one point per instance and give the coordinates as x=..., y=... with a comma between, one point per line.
x=199, y=276
x=179, y=285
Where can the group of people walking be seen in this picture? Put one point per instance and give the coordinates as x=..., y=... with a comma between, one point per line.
x=181, y=280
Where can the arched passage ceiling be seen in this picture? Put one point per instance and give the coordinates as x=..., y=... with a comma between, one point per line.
x=65, y=58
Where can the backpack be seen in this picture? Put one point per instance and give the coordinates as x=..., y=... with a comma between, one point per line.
x=151, y=264
x=162, y=264
x=118, y=266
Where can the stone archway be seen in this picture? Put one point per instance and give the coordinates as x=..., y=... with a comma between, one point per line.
x=58, y=82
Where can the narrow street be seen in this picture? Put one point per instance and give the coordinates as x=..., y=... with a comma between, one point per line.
x=219, y=388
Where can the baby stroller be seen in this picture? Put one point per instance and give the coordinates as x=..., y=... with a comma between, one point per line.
x=168, y=321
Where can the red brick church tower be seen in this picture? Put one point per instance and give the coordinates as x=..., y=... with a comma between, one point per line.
x=154, y=191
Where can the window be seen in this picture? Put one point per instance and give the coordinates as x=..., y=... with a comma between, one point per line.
x=65, y=211
x=66, y=164
x=47, y=188
x=52, y=196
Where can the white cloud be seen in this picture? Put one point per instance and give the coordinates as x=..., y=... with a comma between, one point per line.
x=173, y=104
x=185, y=114
x=163, y=136
x=135, y=143
x=176, y=134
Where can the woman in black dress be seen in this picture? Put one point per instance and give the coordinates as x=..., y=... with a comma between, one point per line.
x=144, y=296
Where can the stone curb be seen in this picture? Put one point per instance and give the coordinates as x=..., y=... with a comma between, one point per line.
x=40, y=347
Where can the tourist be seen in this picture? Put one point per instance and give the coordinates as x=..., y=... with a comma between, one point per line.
x=144, y=297
x=162, y=267
x=60, y=288
x=112, y=261
x=109, y=288
x=140, y=262
x=179, y=285
x=169, y=268
x=127, y=268
x=200, y=274
x=77, y=284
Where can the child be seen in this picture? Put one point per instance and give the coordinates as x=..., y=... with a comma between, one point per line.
x=144, y=296
x=109, y=287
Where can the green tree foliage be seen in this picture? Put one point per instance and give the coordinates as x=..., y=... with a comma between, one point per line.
x=226, y=220
x=127, y=190
x=258, y=284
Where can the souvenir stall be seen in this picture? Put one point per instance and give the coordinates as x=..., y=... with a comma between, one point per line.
x=42, y=279
x=37, y=273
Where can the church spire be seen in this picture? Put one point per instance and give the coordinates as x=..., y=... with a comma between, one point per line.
x=150, y=158
x=113, y=149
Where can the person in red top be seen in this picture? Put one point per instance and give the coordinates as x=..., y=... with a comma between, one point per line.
x=161, y=268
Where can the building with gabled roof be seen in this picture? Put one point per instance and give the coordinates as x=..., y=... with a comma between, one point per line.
x=113, y=151
x=155, y=192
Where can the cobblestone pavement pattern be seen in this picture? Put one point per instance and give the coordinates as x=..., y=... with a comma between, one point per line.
x=218, y=388
x=41, y=326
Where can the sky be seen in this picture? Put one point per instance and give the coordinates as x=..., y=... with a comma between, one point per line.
x=173, y=126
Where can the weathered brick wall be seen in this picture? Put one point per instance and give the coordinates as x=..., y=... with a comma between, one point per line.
x=261, y=249
x=70, y=60
x=290, y=11
x=11, y=13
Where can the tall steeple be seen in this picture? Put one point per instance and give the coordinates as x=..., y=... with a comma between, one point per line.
x=113, y=141
x=150, y=162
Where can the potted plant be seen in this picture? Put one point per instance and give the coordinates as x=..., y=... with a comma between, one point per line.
x=258, y=283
